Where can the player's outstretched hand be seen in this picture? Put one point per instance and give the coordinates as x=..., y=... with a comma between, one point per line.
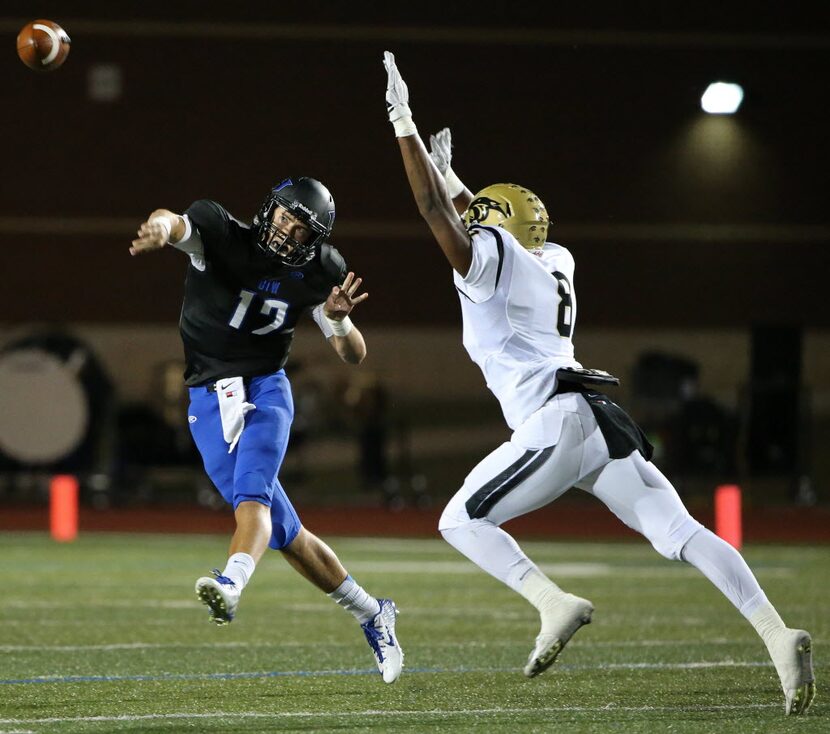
x=440, y=150
x=152, y=235
x=342, y=298
x=397, y=93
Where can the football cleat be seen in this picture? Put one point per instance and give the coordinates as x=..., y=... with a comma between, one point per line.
x=792, y=654
x=559, y=623
x=221, y=596
x=380, y=634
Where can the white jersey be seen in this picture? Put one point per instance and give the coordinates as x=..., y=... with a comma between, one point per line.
x=519, y=312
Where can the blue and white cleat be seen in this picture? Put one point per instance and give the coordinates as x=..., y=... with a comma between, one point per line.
x=380, y=634
x=220, y=595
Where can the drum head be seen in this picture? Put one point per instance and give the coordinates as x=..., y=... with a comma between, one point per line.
x=44, y=412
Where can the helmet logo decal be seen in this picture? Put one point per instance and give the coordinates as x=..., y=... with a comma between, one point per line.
x=303, y=208
x=513, y=208
x=480, y=208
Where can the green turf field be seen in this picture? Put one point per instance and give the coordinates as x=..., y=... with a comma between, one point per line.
x=105, y=635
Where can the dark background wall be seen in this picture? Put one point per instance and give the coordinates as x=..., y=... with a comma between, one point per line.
x=676, y=218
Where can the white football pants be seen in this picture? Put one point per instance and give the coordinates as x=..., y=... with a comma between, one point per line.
x=560, y=446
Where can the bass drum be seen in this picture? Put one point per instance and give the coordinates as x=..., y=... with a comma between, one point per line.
x=52, y=391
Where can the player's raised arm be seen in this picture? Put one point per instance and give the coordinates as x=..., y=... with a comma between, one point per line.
x=426, y=181
x=162, y=227
x=440, y=150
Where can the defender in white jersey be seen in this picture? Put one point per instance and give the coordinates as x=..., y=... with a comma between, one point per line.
x=519, y=311
x=516, y=335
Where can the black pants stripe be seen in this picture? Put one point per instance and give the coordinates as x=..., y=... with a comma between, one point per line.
x=483, y=500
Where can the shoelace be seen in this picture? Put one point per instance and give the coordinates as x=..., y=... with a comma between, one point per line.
x=223, y=579
x=374, y=637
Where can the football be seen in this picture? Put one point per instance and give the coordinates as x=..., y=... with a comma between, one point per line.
x=42, y=45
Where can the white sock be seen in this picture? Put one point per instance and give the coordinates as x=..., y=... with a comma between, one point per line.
x=767, y=622
x=239, y=569
x=353, y=598
x=540, y=591
x=492, y=550
x=725, y=568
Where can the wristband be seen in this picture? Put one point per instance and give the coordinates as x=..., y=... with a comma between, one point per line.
x=165, y=225
x=404, y=127
x=401, y=118
x=454, y=185
x=340, y=328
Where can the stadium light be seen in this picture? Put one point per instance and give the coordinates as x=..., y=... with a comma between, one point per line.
x=722, y=98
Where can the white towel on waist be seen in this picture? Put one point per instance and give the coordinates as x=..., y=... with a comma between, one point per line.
x=232, y=408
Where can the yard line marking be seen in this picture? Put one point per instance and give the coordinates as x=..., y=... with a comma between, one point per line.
x=107, y=603
x=120, y=646
x=610, y=708
x=562, y=570
x=46, y=679
x=575, y=569
x=191, y=676
x=163, y=646
x=146, y=646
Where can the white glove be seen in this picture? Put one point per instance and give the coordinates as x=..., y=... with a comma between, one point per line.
x=440, y=150
x=397, y=98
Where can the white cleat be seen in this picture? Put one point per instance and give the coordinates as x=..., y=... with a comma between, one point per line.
x=792, y=653
x=559, y=622
x=221, y=596
x=380, y=634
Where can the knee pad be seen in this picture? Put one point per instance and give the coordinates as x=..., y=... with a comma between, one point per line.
x=283, y=534
x=455, y=513
x=449, y=520
x=253, y=485
x=462, y=536
x=285, y=523
x=669, y=541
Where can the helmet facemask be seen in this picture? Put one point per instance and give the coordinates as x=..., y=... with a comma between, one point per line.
x=511, y=207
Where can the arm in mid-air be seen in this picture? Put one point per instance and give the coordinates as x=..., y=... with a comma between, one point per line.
x=440, y=150
x=346, y=338
x=427, y=183
x=162, y=227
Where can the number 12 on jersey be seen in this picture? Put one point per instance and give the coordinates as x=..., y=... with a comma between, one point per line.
x=270, y=306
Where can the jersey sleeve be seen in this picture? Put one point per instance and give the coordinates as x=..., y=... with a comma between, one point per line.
x=484, y=274
x=334, y=266
x=191, y=244
x=212, y=223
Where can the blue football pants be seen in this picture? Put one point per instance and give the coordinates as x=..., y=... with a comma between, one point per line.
x=249, y=472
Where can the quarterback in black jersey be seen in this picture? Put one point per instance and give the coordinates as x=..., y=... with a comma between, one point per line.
x=246, y=288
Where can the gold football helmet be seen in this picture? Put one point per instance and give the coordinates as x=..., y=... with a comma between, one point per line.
x=511, y=207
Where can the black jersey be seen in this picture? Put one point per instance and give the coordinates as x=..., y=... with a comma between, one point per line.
x=239, y=313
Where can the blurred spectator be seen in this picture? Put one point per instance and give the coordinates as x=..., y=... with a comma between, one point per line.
x=309, y=418
x=696, y=437
x=369, y=403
